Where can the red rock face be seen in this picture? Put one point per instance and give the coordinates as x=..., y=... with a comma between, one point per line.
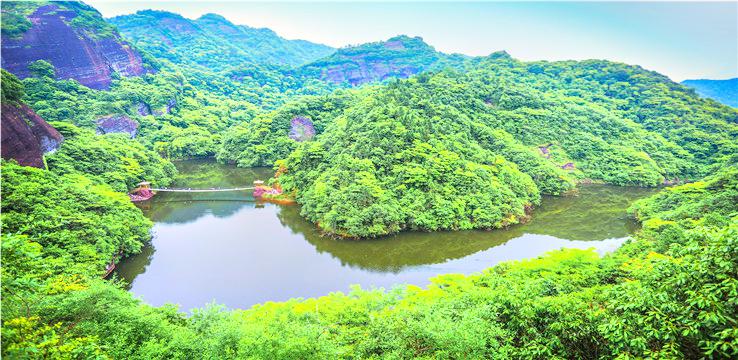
x=117, y=124
x=361, y=71
x=74, y=54
x=26, y=136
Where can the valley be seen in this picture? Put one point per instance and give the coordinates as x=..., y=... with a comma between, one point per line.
x=234, y=250
x=425, y=204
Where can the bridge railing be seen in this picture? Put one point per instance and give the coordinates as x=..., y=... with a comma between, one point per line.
x=203, y=190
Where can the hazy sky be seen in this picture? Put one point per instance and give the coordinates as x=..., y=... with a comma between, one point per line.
x=683, y=40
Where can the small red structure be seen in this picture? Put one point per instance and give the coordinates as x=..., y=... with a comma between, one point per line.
x=272, y=194
x=142, y=193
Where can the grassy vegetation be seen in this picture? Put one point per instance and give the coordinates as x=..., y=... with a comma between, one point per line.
x=472, y=144
x=668, y=293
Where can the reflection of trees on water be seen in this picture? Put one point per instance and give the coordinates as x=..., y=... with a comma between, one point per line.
x=597, y=213
x=207, y=173
x=181, y=208
x=135, y=265
x=393, y=253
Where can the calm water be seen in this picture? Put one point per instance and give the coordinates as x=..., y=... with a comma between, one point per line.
x=225, y=247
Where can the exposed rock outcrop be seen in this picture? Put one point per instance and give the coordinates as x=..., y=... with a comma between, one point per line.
x=544, y=151
x=569, y=166
x=26, y=136
x=117, y=124
x=143, y=109
x=88, y=56
x=398, y=57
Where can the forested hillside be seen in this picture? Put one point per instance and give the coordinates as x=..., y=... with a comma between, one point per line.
x=669, y=293
x=405, y=155
x=398, y=57
x=213, y=42
x=724, y=91
x=370, y=140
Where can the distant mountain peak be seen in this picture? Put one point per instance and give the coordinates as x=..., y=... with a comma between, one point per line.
x=724, y=91
x=159, y=14
x=400, y=56
x=213, y=17
x=213, y=41
x=502, y=54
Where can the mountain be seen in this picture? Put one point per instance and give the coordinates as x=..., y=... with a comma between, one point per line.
x=262, y=43
x=724, y=91
x=398, y=57
x=428, y=152
x=212, y=41
x=72, y=36
x=471, y=147
x=26, y=137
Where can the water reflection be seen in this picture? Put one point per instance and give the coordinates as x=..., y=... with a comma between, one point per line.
x=227, y=248
x=596, y=213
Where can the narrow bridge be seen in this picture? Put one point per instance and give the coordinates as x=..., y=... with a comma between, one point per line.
x=203, y=190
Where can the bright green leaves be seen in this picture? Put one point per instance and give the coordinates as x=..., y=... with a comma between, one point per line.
x=69, y=216
x=385, y=166
x=12, y=88
x=112, y=159
x=351, y=201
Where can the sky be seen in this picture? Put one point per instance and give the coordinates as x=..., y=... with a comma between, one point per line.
x=683, y=40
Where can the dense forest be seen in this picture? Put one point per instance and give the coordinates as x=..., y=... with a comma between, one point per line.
x=370, y=140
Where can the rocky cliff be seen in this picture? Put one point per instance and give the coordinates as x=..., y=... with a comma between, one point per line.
x=26, y=136
x=117, y=124
x=398, y=57
x=75, y=39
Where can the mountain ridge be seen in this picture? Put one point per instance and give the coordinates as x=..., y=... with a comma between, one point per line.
x=724, y=90
x=222, y=42
x=400, y=56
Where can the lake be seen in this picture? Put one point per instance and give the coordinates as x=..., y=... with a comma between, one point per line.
x=227, y=248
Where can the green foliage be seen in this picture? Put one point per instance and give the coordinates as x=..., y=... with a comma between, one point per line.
x=468, y=148
x=264, y=140
x=73, y=219
x=213, y=42
x=12, y=88
x=715, y=195
x=638, y=302
x=42, y=69
x=14, y=22
x=89, y=20
x=386, y=165
x=175, y=120
x=558, y=122
x=224, y=59
x=112, y=159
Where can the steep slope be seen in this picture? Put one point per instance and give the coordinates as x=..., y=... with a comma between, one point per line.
x=398, y=57
x=71, y=36
x=724, y=91
x=26, y=137
x=263, y=44
x=212, y=41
